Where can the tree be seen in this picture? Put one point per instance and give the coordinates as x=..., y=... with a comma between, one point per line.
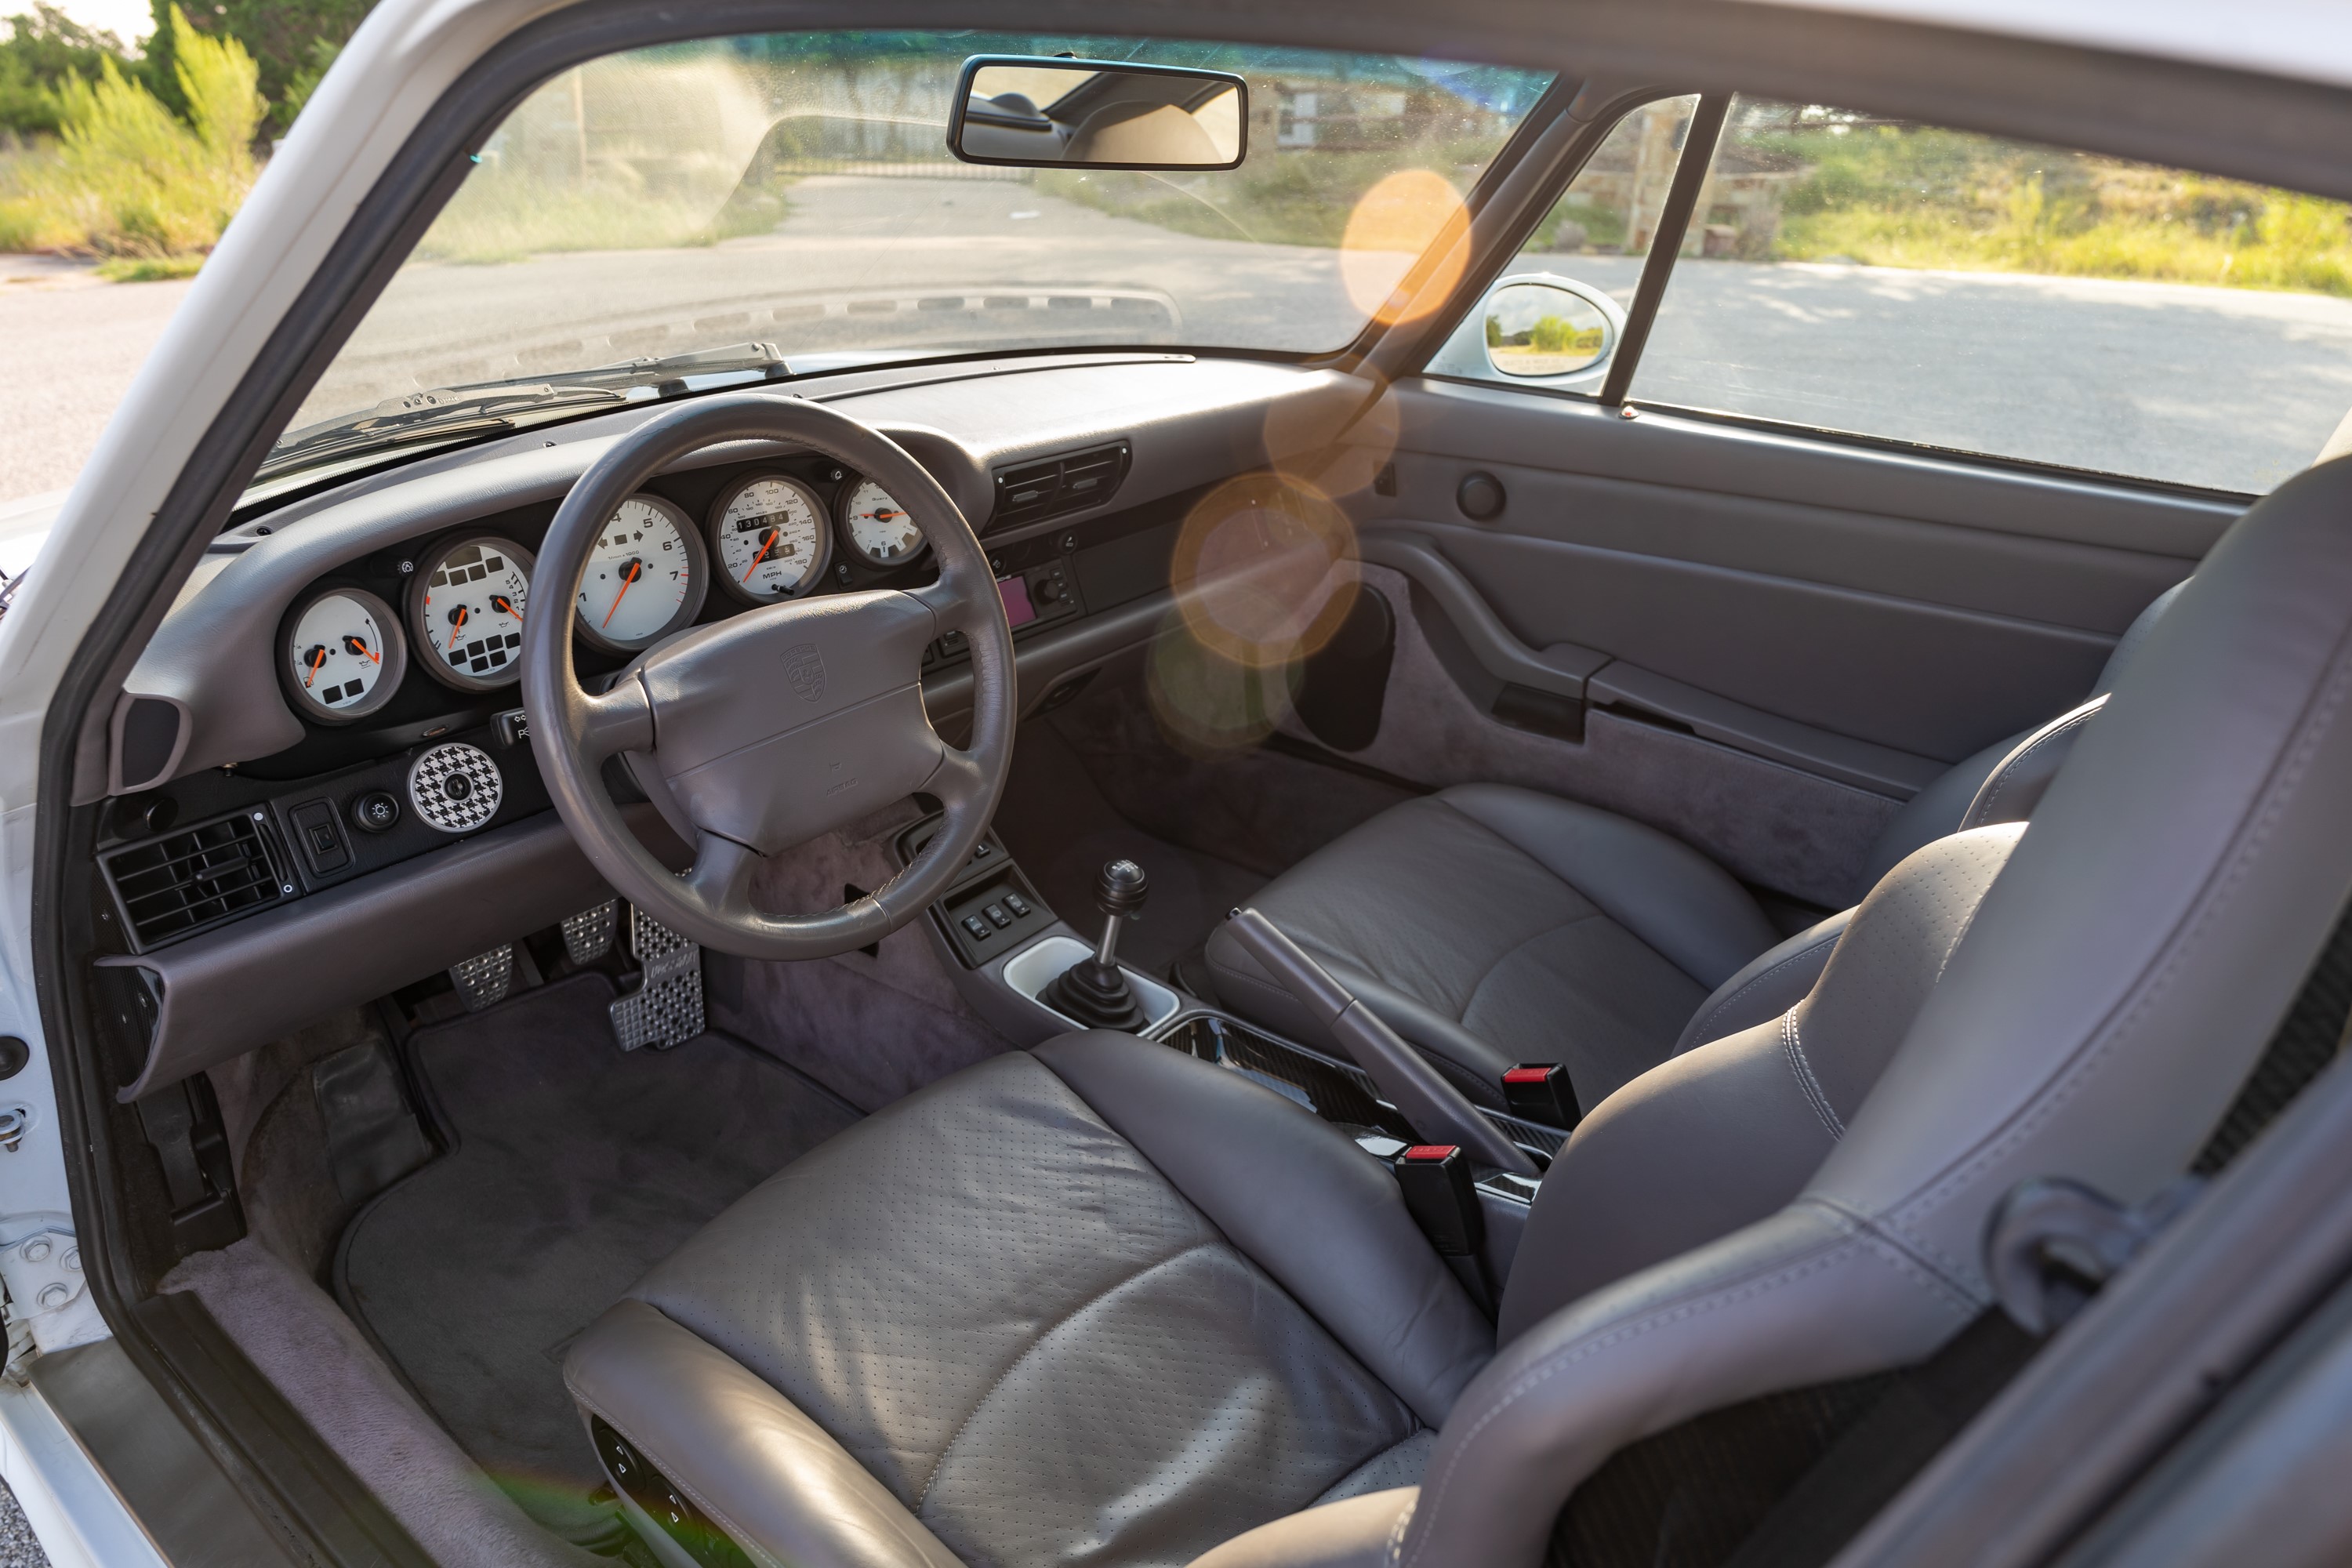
x=288, y=39
x=42, y=53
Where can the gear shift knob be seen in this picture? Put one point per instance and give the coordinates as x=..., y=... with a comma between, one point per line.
x=1119, y=893
x=1093, y=990
x=1121, y=889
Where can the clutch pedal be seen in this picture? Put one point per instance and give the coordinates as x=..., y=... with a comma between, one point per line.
x=666, y=1009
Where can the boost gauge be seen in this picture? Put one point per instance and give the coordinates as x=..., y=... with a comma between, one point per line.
x=645, y=577
x=344, y=655
x=876, y=529
x=770, y=536
x=466, y=610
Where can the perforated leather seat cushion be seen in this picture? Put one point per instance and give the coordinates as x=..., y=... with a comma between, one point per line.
x=1492, y=926
x=1013, y=1320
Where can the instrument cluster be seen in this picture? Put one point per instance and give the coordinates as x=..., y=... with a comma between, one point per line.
x=766, y=533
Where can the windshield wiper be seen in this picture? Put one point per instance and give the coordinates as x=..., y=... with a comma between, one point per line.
x=451, y=412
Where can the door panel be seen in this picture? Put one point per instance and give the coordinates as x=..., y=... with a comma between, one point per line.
x=1925, y=606
x=1759, y=642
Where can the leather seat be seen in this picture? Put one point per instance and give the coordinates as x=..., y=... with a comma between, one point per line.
x=1103, y=1303
x=1491, y=925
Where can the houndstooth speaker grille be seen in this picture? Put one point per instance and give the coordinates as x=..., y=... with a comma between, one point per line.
x=456, y=788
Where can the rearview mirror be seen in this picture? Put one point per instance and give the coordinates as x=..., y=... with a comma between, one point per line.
x=1043, y=112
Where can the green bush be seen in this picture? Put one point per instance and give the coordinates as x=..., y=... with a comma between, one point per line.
x=125, y=178
x=43, y=51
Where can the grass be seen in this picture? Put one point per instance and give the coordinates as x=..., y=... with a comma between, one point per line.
x=126, y=179
x=1915, y=197
x=508, y=218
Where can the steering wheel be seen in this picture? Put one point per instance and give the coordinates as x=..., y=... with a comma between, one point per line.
x=771, y=726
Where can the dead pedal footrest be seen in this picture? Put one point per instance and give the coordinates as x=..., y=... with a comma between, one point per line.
x=666, y=1009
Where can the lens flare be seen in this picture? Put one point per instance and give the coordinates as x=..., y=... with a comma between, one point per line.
x=1337, y=438
x=1265, y=570
x=1411, y=212
x=1206, y=705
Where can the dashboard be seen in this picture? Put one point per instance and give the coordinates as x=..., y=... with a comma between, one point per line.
x=332, y=704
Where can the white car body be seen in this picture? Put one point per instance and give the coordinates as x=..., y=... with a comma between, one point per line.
x=73, y=549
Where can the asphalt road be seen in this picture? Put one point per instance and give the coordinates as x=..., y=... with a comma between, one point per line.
x=72, y=345
x=2235, y=389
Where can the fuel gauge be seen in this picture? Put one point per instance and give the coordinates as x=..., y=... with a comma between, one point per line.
x=343, y=655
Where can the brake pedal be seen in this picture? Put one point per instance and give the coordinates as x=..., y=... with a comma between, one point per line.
x=665, y=1010
x=485, y=979
x=588, y=935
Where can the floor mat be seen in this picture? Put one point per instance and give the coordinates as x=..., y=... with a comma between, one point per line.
x=1061, y=828
x=576, y=1168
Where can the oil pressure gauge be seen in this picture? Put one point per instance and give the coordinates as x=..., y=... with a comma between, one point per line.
x=343, y=655
x=466, y=610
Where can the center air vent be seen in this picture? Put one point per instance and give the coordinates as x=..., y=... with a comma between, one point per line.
x=186, y=882
x=1054, y=485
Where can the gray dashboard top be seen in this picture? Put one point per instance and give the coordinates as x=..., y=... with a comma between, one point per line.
x=1189, y=421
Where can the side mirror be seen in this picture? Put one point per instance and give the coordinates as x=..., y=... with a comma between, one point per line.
x=1542, y=330
x=1042, y=112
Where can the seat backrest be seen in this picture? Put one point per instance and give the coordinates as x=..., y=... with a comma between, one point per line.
x=2116, y=984
x=2003, y=782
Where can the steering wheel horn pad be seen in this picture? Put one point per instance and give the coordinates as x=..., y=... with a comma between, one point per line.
x=773, y=727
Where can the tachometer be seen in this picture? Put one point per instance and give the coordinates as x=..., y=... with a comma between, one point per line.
x=770, y=536
x=344, y=655
x=876, y=529
x=645, y=576
x=466, y=610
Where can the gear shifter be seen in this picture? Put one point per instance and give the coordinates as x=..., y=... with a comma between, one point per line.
x=1094, y=991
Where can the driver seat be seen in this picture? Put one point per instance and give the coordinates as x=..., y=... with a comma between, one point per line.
x=1100, y=1302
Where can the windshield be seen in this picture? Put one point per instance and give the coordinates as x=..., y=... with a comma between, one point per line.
x=796, y=189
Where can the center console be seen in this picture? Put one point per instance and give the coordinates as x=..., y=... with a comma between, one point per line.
x=1012, y=958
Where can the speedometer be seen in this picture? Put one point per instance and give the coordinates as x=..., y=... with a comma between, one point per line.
x=770, y=536
x=877, y=528
x=645, y=577
x=467, y=611
x=344, y=655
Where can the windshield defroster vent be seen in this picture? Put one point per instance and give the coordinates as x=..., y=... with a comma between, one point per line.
x=188, y=881
x=1073, y=482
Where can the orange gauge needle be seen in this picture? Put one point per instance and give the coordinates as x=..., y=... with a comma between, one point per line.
x=359, y=646
x=318, y=658
x=505, y=605
x=766, y=545
x=627, y=582
x=457, y=629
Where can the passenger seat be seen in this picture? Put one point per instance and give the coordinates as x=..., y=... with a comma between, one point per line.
x=1493, y=926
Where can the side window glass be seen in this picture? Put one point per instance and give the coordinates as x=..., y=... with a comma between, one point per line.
x=1884, y=277
x=1554, y=318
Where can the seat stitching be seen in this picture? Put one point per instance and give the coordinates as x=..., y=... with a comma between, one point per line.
x=1793, y=1049
x=2253, y=837
x=1013, y=1365
x=1486, y=975
x=2004, y=775
x=1861, y=1234
x=1723, y=1006
x=1396, y=1531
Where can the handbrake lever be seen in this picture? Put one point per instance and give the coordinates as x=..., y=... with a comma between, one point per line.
x=1434, y=1109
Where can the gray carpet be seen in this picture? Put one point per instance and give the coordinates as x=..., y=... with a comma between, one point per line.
x=1059, y=826
x=19, y=1546
x=576, y=1168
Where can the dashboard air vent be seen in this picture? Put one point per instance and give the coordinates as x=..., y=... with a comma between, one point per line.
x=184, y=882
x=1031, y=493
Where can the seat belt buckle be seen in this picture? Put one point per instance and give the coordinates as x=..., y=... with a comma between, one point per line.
x=1443, y=1197
x=1540, y=1092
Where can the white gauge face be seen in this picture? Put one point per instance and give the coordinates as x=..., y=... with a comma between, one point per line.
x=642, y=580
x=880, y=530
x=772, y=538
x=345, y=655
x=470, y=609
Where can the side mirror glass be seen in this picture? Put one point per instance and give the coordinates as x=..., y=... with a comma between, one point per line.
x=1541, y=329
x=1041, y=112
